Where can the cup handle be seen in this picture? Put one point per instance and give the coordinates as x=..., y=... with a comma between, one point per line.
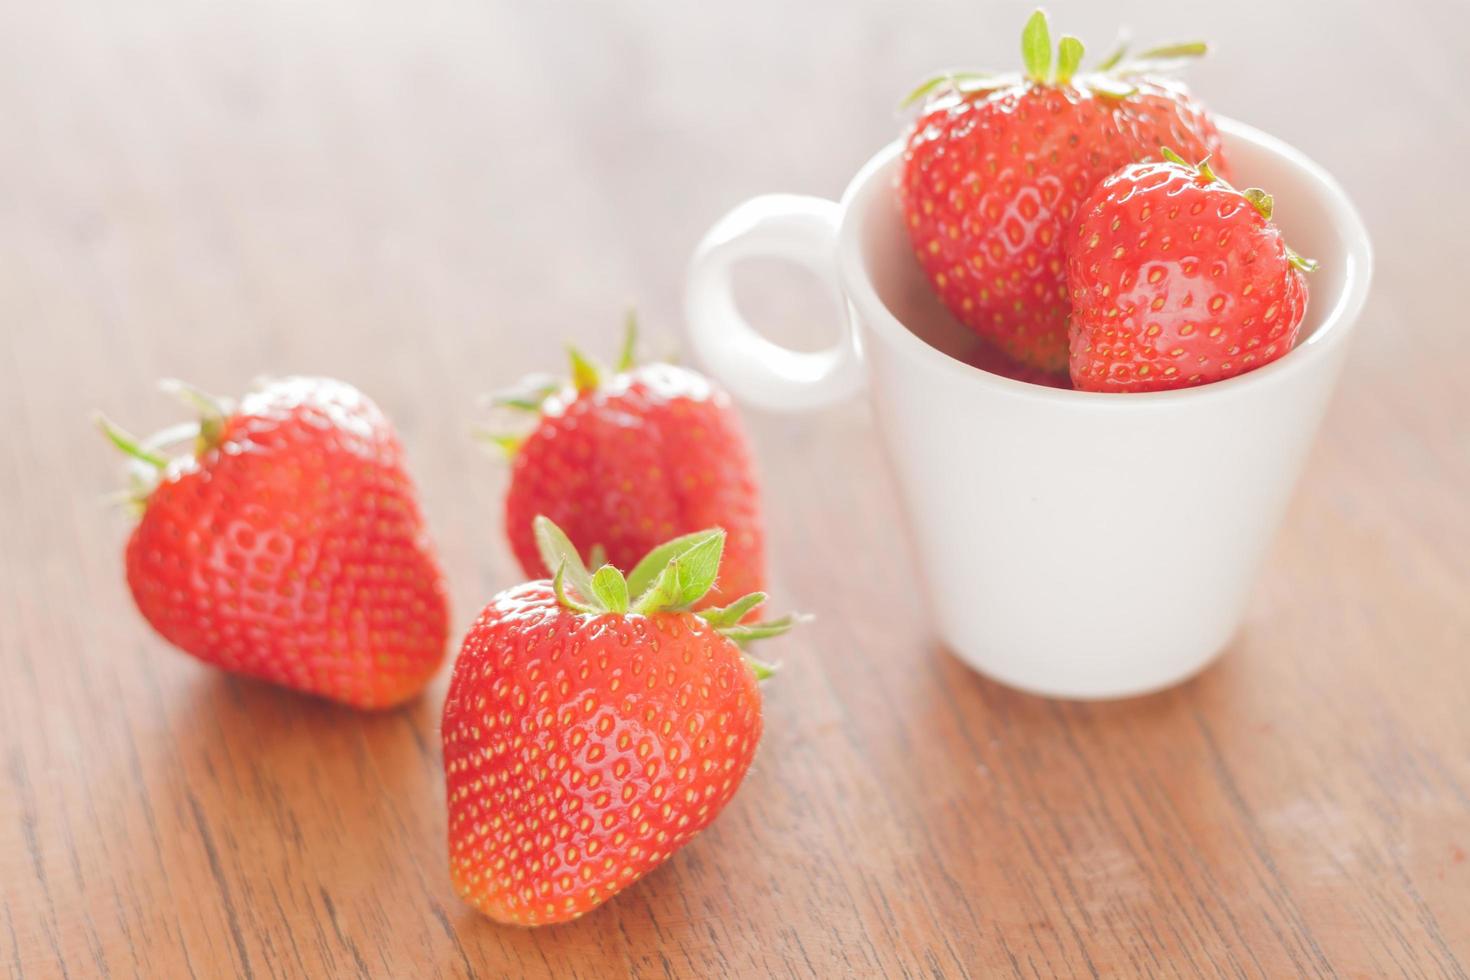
x=783, y=226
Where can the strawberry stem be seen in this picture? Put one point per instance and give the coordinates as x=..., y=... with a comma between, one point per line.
x=1112, y=60
x=585, y=374
x=507, y=444
x=611, y=589
x=557, y=551
x=530, y=394
x=686, y=578
x=206, y=434
x=559, y=588
x=1264, y=204
x=745, y=633
x=1168, y=52
x=760, y=668
x=670, y=578
x=211, y=410
x=128, y=443
x=627, y=359
x=1042, y=66
x=1069, y=58
x=1202, y=170
x=733, y=613
x=1301, y=261
x=962, y=82
x=1036, y=48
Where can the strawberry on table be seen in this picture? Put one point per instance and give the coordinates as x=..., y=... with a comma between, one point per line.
x=625, y=460
x=287, y=545
x=996, y=166
x=594, y=724
x=1178, y=279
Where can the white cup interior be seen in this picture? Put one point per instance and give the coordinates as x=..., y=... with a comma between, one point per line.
x=1311, y=210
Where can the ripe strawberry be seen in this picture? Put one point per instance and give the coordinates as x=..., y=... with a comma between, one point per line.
x=1178, y=279
x=627, y=462
x=289, y=545
x=588, y=736
x=996, y=166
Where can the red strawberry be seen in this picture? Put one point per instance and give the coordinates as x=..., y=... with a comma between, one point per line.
x=996, y=166
x=626, y=462
x=588, y=736
x=289, y=545
x=1178, y=279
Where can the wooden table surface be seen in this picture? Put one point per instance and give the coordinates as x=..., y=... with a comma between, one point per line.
x=427, y=199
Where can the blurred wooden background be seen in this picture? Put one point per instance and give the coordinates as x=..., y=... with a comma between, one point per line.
x=427, y=199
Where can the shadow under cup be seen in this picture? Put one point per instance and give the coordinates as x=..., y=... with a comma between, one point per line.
x=1073, y=544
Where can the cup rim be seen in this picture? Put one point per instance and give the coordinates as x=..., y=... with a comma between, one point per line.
x=1334, y=329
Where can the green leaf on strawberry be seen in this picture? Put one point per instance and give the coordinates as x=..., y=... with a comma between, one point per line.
x=673, y=577
x=557, y=552
x=960, y=81
x=610, y=589
x=1069, y=57
x=586, y=375
x=650, y=565
x=1036, y=48
x=531, y=393
x=1045, y=66
x=686, y=577
x=734, y=612
x=628, y=356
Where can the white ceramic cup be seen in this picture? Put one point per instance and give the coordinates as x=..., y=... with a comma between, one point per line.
x=1074, y=544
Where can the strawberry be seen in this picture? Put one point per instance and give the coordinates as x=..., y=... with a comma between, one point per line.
x=626, y=462
x=1178, y=279
x=593, y=726
x=288, y=546
x=996, y=165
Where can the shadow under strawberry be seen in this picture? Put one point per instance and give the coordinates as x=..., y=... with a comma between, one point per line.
x=988, y=357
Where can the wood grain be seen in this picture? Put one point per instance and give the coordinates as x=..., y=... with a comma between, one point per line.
x=426, y=200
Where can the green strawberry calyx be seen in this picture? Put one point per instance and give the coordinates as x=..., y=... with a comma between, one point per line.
x=531, y=393
x=1262, y=201
x=1061, y=65
x=151, y=457
x=670, y=578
